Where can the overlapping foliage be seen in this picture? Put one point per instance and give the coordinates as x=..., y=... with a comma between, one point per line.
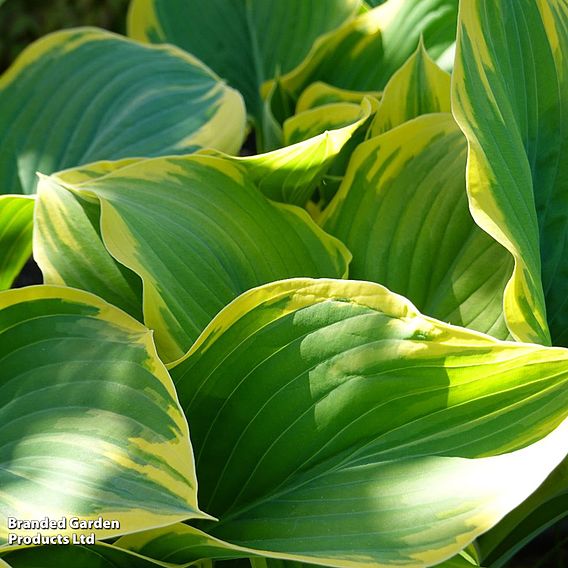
x=347, y=349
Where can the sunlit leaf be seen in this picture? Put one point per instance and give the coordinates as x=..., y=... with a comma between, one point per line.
x=90, y=419
x=414, y=232
x=315, y=139
x=333, y=422
x=16, y=224
x=547, y=506
x=319, y=94
x=510, y=97
x=418, y=87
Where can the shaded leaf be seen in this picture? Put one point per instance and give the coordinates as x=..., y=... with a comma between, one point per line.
x=91, y=556
x=245, y=42
x=84, y=95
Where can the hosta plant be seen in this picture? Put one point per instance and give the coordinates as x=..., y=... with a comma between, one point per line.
x=342, y=342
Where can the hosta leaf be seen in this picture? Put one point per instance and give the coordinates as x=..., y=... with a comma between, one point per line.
x=446, y=60
x=90, y=419
x=246, y=42
x=210, y=236
x=333, y=422
x=69, y=249
x=363, y=54
x=84, y=95
x=331, y=116
x=418, y=87
x=181, y=543
x=548, y=505
x=328, y=116
x=457, y=561
x=16, y=223
x=260, y=562
x=510, y=96
x=77, y=556
x=319, y=94
x=414, y=232
x=316, y=138
x=92, y=171
x=334, y=116
x=276, y=108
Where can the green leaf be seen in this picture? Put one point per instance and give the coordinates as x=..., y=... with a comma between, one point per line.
x=77, y=556
x=16, y=224
x=246, y=42
x=326, y=118
x=181, y=543
x=95, y=170
x=457, y=561
x=418, y=87
x=462, y=560
x=68, y=245
x=314, y=139
x=276, y=108
x=414, y=232
x=319, y=94
x=510, y=97
x=91, y=423
x=334, y=423
x=84, y=95
x=363, y=54
x=316, y=121
x=258, y=562
x=547, y=506
x=209, y=236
